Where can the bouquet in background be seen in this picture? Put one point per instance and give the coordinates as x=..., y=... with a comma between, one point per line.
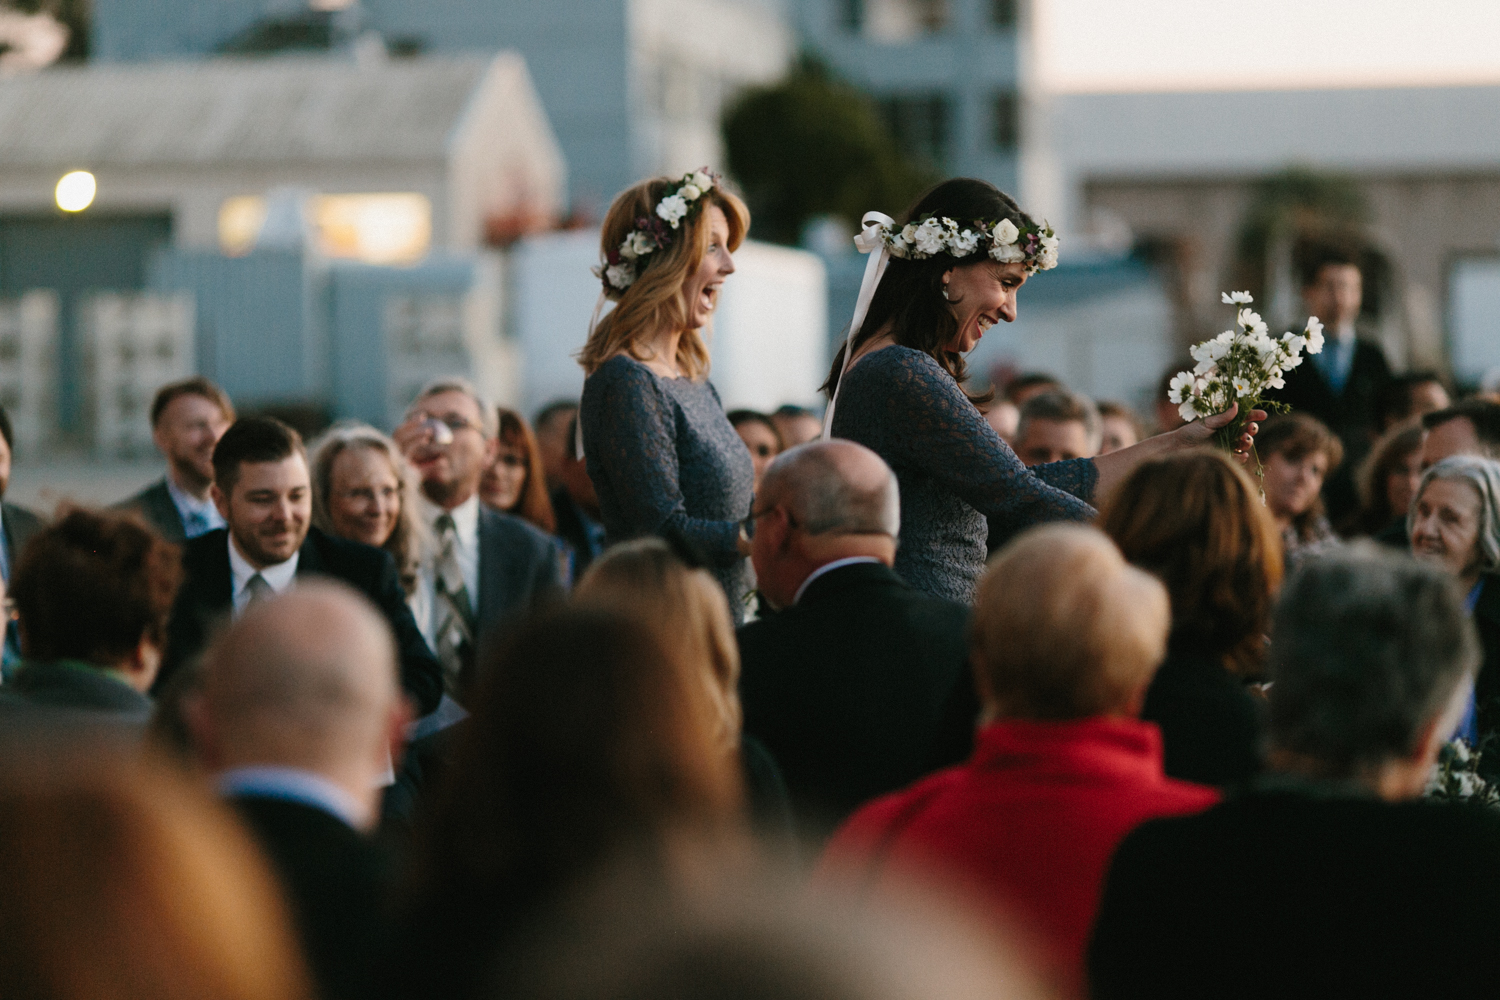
x=1238, y=366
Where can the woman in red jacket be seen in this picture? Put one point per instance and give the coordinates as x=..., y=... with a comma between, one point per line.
x=1065, y=640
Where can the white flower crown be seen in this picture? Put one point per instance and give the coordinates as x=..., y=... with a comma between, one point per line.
x=652, y=233
x=1035, y=246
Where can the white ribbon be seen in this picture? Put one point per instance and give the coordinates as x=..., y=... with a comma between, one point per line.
x=867, y=241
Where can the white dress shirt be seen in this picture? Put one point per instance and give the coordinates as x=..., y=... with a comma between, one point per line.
x=198, y=517
x=291, y=784
x=279, y=577
x=424, y=604
x=829, y=568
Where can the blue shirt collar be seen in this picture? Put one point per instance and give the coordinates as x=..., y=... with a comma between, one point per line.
x=291, y=784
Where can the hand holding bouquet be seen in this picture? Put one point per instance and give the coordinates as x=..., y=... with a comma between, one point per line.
x=1237, y=366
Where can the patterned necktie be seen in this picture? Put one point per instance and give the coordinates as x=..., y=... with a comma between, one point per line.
x=259, y=589
x=455, y=631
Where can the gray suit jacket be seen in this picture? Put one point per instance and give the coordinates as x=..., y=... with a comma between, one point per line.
x=66, y=692
x=154, y=503
x=519, y=566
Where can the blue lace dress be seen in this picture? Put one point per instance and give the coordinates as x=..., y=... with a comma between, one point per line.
x=665, y=461
x=954, y=470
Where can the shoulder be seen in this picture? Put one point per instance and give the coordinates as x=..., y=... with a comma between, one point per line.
x=873, y=824
x=621, y=371
x=207, y=550
x=152, y=494
x=20, y=519
x=898, y=361
x=512, y=531
x=341, y=557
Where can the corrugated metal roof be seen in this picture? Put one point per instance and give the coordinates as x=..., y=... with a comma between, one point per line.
x=224, y=111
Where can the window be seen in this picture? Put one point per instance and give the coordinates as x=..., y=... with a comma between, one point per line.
x=1005, y=13
x=919, y=124
x=902, y=20
x=374, y=228
x=1005, y=124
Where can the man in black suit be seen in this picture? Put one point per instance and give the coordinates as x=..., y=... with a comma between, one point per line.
x=187, y=420
x=858, y=684
x=17, y=526
x=298, y=716
x=261, y=489
x=1342, y=385
x=1330, y=877
x=487, y=565
x=576, y=505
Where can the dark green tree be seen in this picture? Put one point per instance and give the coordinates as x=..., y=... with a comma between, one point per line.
x=813, y=145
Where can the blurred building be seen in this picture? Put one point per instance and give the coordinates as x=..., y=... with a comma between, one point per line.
x=236, y=202
x=632, y=87
x=946, y=73
x=1180, y=170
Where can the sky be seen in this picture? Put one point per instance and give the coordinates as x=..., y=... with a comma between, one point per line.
x=1092, y=45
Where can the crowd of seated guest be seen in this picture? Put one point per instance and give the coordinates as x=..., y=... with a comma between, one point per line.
x=391, y=716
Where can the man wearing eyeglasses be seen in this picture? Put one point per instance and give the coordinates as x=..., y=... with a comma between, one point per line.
x=857, y=684
x=485, y=564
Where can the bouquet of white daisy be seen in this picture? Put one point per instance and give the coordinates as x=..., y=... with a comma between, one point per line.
x=1238, y=366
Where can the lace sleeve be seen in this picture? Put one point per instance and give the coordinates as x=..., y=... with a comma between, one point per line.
x=632, y=435
x=931, y=425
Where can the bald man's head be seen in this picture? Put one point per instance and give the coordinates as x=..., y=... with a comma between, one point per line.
x=307, y=680
x=819, y=503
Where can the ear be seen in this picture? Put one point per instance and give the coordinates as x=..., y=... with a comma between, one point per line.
x=221, y=501
x=145, y=661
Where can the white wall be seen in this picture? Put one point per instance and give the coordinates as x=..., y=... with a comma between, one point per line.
x=1474, y=318
x=770, y=341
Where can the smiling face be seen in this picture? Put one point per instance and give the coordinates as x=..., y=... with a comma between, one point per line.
x=186, y=432
x=364, y=496
x=1292, y=484
x=504, y=478
x=268, y=509
x=1445, y=527
x=701, y=290
x=979, y=296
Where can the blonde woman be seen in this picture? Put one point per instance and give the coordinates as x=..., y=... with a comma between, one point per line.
x=662, y=455
x=364, y=491
x=649, y=581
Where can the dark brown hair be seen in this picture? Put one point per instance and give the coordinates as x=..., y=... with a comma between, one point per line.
x=1295, y=436
x=910, y=296
x=1197, y=522
x=90, y=586
x=534, y=504
x=253, y=439
x=588, y=736
x=1389, y=453
x=195, y=386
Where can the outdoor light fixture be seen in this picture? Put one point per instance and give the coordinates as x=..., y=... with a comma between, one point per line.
x=75, y=191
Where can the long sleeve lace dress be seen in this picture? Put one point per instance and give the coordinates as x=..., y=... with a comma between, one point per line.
x=665, y=461
x=954, y=470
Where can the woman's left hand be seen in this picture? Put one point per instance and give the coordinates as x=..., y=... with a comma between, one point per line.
x=1200, y=431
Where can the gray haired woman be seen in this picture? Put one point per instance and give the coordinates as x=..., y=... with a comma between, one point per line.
x=363, y=490
x=1454, y=525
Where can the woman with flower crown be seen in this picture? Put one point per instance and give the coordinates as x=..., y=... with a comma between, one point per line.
x=951, y=270
x=663, y=457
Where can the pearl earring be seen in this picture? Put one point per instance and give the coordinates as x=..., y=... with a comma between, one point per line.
x=945, y=290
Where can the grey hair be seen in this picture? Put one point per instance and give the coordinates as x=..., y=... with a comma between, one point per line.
x=489, y=417
x=1367, y=648
x=1062, y=406
x=812, y=481
x=1484, y=475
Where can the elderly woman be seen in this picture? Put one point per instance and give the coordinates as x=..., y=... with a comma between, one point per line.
x=364, y=491
x=1065, y=640
x=1454, y=524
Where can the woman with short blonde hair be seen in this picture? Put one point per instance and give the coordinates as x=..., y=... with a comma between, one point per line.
x=663, y=458
x=364, y=490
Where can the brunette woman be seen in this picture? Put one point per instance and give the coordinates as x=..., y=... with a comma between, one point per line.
x=663, y=457
x=1387, y=482
x=902, y=394
x=515, y=482
x=1297, y=453
x=1196, y=521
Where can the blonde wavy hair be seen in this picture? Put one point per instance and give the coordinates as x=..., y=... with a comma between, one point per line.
x=654, y=301
x=687, y=609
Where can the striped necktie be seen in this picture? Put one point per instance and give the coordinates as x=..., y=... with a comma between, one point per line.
x=455, y=631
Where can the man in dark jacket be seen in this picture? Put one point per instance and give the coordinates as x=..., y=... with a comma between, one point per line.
x=1330, y=877
x=1341, y=385
x=17, y=525
x=187, y=420
x=858, y=684
x=298, y=718
x=262, y=490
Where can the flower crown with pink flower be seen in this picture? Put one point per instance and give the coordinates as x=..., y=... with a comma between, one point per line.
x=654, y=232
x=1033, y=245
